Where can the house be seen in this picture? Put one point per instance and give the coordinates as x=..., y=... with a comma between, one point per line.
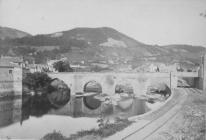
x=10, y=78
x=17, y=61
x=40, y=68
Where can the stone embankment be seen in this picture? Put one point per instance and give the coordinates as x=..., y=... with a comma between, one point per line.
x=149, y=123
x=188, y=123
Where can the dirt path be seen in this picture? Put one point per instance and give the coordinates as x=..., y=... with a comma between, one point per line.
x=188, y=123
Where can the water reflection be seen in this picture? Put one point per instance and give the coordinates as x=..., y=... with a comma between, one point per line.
x=36, y=105
x=10, y=112
x=37, y=116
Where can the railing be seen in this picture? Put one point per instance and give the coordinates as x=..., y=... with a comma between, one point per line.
x=186, y=74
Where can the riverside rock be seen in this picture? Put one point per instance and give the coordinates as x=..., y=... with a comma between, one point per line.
x=159, y=88
x=59, y=94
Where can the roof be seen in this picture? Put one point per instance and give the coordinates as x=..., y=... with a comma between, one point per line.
x=7, y=61
x=12, y=59
x=6, y=64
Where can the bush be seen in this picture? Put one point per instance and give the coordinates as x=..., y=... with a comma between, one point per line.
x=62, y=66
x=37, y=81
x=54, y=136
x=100, y=133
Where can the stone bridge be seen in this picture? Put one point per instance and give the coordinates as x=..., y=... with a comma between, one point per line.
x=108, y=81
x=138, y=81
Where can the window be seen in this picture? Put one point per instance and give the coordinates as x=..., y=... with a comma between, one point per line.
x=10, y=71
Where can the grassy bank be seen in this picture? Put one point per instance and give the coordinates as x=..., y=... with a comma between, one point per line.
x=93, y=134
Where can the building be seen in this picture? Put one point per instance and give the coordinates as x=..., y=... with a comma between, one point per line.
x=10, y=78
x=16, y=61
x=10, y=88
x=40, y=68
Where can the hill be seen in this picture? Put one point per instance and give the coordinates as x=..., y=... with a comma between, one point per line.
x=10, y=33
x=99, y=47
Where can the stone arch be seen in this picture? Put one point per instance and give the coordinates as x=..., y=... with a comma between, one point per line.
x=124, y=87
x=87, y=78
x=59, y=93
x=159, y=88
x=67, y=78
x=89, y=101
x=92, y=86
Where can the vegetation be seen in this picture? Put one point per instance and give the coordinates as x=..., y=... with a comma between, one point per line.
x=17, y=46
x=44, y=40
x=101, y=132
x=54, y=136
x=63, y=66
x=85, y=44
x=47, y=93
x=37, y=104
x=36, y=81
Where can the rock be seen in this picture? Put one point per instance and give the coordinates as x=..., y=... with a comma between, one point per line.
x=159, y=88
x=59, y=93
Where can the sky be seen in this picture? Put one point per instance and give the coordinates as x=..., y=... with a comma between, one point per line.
x=160, y=22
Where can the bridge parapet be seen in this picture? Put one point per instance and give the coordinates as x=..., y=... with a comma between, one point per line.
x=108, y=81
x=187, y=74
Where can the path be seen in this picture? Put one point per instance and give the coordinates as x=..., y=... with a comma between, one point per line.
x=188, y=123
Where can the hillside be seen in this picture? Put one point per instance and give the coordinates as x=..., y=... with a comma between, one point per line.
x=99, y=47
x=10, y=33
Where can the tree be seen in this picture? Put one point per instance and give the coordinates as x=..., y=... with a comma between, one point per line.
x=36, y=81
x=63, y=66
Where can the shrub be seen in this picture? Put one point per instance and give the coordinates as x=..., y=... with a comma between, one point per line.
x=105, y=131
x=54, y=136
x=37, y=81
x=63, y=66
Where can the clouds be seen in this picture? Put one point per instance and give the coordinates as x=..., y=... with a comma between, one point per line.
x=149, y=21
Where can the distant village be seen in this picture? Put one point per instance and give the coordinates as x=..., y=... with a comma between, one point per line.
x=10, y=62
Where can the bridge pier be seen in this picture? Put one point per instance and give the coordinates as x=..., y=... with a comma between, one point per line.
x=201, y=82
x=173, y=80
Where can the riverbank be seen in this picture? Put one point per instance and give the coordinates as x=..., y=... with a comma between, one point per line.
x=189, y=122
x=116, y=128
x=183, y=117
x=93, y=134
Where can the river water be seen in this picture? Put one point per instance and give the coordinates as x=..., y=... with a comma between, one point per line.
x=33, y=120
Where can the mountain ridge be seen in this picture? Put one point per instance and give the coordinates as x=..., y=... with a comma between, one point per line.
x=11, y=33
x=102, y=44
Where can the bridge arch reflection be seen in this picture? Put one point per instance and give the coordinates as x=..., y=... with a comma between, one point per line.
x=124, y=88
x=89, y=101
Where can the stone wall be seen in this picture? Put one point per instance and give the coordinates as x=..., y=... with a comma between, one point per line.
x=17, y=81
x=10, y=112
x=108, y=81
x=10, y=88
x=10, y=81
x=6, y=81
